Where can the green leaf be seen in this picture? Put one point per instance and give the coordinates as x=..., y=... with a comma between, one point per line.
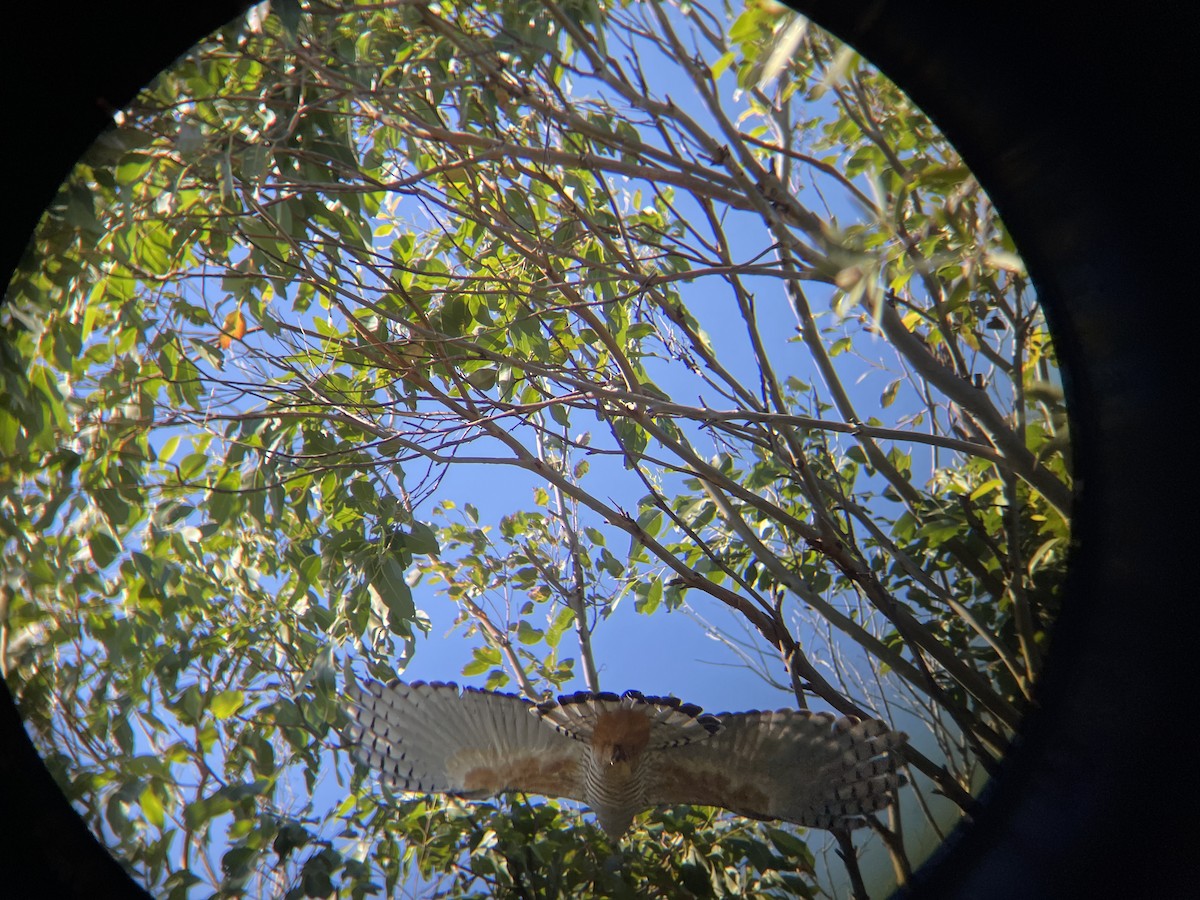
x=994, y=484
x=611, y=564
x=289, y=15
x=633, y=439
x=152, y=807
x=485, y=658
x=133, y=168
x=388, y=587
x=564, y=620
x=789, y=845
x=291, y=836
x=527, y=634
x=723, y=63
x=484, y=379
x=649, y=596
x=694, y=877
x=650, y=520
x=226, y=703
x=197, y=813
x=423, y=539
x=192, y=466
x=475, y=667
x=104, y=549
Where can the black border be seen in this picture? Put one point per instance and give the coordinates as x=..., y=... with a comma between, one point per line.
x=1076, y=120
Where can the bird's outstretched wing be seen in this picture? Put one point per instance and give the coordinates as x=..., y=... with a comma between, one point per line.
x=436, y=738
x=808, y=768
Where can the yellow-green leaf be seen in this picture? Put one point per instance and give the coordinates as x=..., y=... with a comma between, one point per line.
x=987, y=487
x=226, y=703
x=152, y=807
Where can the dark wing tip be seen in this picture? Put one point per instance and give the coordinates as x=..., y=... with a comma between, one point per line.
x=580, y=697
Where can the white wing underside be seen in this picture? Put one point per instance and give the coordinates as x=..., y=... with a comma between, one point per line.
x=432, y=738
x=808, y=768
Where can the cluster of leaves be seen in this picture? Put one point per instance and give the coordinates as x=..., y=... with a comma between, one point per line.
x=524, y=849
x=334, y=252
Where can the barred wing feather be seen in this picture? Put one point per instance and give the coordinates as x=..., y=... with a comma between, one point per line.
x=806, y=768
x=434, y=738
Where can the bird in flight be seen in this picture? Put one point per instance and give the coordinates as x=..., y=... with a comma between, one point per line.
x=623, y=754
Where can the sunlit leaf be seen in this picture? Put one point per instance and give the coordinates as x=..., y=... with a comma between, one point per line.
x=233, y=328
x=226, y=703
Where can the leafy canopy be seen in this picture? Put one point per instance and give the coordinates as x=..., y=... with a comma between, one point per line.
x=709, y=287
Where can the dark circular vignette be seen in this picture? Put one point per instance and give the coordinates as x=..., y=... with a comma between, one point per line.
x=1072, y=121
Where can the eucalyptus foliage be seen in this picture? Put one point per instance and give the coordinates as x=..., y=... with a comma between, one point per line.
x=751, y=329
